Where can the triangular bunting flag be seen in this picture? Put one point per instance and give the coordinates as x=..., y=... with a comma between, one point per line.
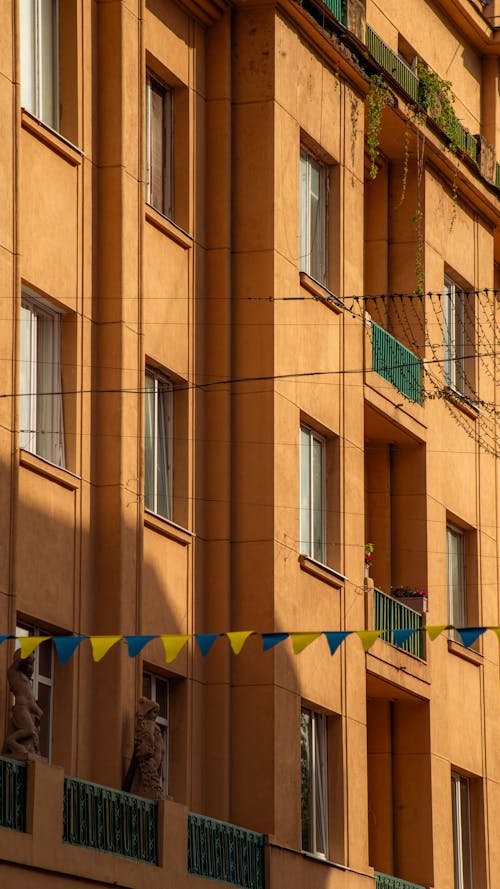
x=434, y=632
x=368, y=637
x=205, y=641
x=402, y=636
x=238, y=639
x=302, y=640
x=335, y=639
x=66, y=646
x=30, y=643
x=496, y=630
x=5, y=636
x=269, y=640
x=135, y=644
x=173, y=645
x=101, y=645
x=469, y=635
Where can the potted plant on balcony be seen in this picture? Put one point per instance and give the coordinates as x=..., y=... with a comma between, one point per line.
x=415, y=597
x=368, y=558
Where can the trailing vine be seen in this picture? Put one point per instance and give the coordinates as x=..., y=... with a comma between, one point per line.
x=376, y=99
x=437, y=99
x=406, y=158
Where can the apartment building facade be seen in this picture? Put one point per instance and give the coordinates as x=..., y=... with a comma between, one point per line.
x=249, y=259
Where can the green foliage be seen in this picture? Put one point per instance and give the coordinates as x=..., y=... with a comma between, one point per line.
x=376, y=99
x=406, y=158
x=437, y=99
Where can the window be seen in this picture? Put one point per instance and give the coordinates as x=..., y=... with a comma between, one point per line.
x=43, y=683
x=159, y=145
x=455, y=562
x=39, y=59
x=462, y=846
x=158, y=445
x=312, y=210
x=312, y=494
x=458, y=338
x=41, y=403
x=157, y=689
x=314, y=777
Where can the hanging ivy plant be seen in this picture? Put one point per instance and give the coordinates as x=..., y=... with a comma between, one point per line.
x=437, y=99
x=375, y=99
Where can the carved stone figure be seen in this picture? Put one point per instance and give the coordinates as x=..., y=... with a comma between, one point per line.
x=144, y=775
x=22, y=740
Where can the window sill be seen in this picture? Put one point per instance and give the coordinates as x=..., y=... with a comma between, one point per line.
x=49, y=470
x=322, y=572
x=168, y=529
x=168, y=227
x=50, y=138
x=461, y=651
x=321, y=293
x=462, y=402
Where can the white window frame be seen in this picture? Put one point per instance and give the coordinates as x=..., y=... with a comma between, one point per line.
x=462, y=837
x=309, y=509
x=38, y=678
x=167, y=207
x=313, y=240
x=454, y=336
x=34, y=64
x=46, y=443
x=163, y=721
x=455, y=579
x=314, y=774
x=162, y=388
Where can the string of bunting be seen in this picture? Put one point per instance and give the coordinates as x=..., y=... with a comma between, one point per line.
x=173, y=643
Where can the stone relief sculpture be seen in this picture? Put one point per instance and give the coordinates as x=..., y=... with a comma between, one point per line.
x=22, y=740
x=144, y=775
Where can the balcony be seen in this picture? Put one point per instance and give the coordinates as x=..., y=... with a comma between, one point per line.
x=338, y=8
x=383, y=881
x=12, y=794
x=391, y=614
x=394, y=64
x=110, y=820
x=224, y=852
x=396, y=364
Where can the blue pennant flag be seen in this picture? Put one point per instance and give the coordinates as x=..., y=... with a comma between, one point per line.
x=5, y=636
x=469, y=635
x=402, y=636
x=66, y=646
x=135, y=644
x=335, y=639
x=269, y=640
x=205, y=641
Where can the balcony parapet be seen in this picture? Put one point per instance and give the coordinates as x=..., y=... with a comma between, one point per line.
x=226, y=853
x=384, y=881
x=12, y=794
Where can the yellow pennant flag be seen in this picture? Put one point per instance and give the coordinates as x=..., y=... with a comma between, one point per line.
x=434, y=632
x=368, y=637
x=101, y=645
x=302, y=640
x=173, y=644
x=238, y=639
x=495, y=630
x=29, y=643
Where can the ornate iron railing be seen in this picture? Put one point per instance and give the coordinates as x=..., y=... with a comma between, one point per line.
x=392, y=63
x=12, y=794
x=338, y=7
x=396, y=364
x=390, y=614
x=110, y=821
x=224, y=852
x=384, y=881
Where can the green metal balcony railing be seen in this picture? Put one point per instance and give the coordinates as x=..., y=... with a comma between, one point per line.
x=392, y=63
x=497, y=176
x=390, y=614
x=111, y=821
x=396, y=364
x=384, y=881
x=339, y=9
x=467, y=142
x=224, y=852
x=12, y=794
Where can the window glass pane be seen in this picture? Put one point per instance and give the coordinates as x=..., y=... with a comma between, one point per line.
x=162, y=697
x=317, y=499
x=149, y=444
x=157, y=146
x=303, y=215
x=48, y=62
x=44, y=697
x=44, y=386
x=316, y=221
x=305, y=491
x=25, y=424
x=45, y=660
x=448, y=333
x=146, y=685
x=320, y=778
x=163, y=500
x=27, y=46
x=466, y=837
x=305, y=768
